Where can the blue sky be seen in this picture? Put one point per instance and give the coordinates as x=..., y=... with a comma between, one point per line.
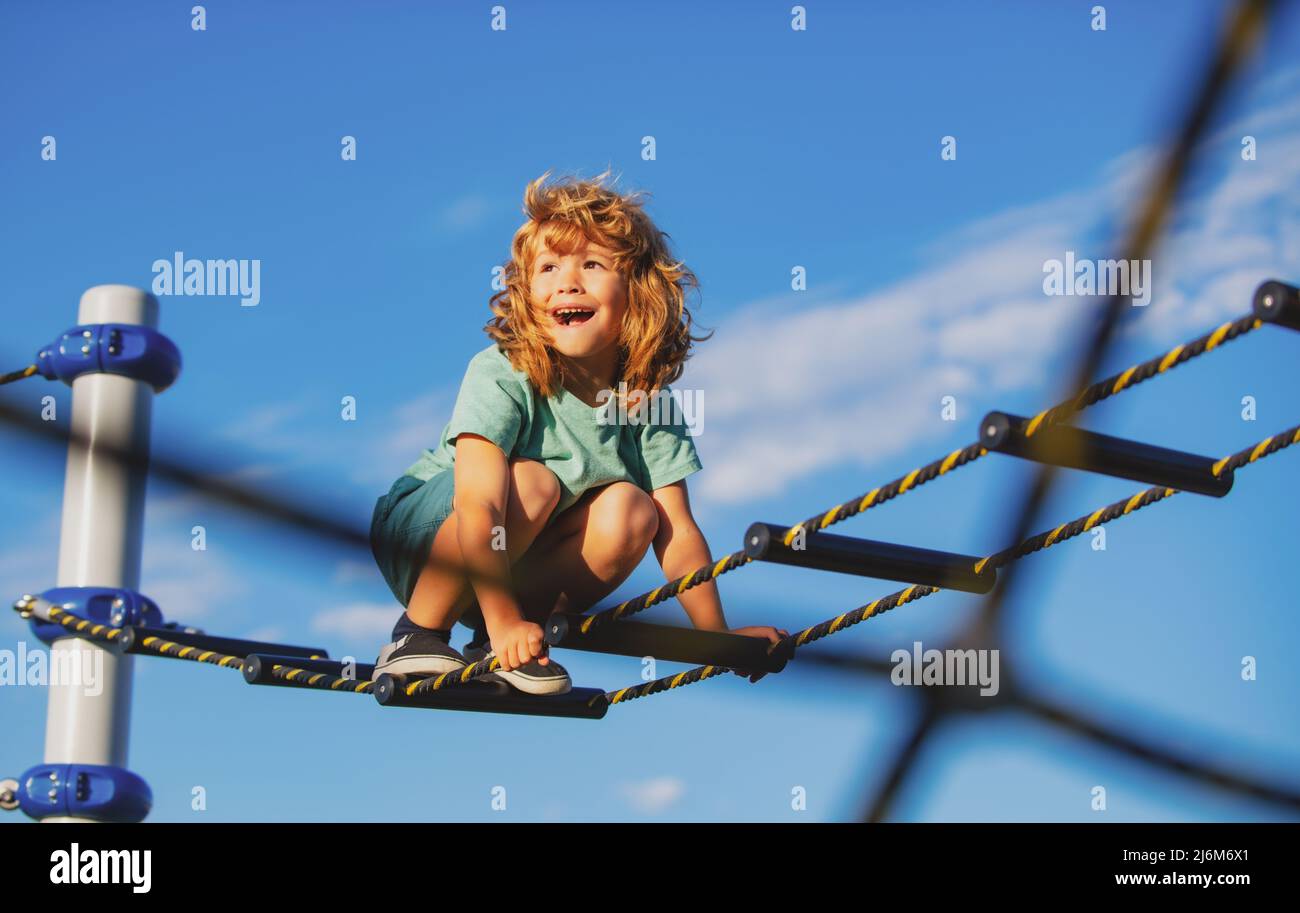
x=775, y=148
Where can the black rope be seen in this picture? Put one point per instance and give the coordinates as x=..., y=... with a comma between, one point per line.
x=18, y=375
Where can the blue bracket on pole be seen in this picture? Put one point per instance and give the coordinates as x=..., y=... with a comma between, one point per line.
x=130, y=350
x=95, y=791
x=107, y=605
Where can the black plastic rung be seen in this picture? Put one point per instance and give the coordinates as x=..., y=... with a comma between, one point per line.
x=1277, y=302
x=868, y=558
x=1065, y=445
x=133, y=637
x=494, y=697
x=666, y=642
x=257, y=669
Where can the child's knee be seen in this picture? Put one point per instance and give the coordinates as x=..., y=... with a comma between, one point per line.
x=628, y=519
x=643, y=518
x=536, y=486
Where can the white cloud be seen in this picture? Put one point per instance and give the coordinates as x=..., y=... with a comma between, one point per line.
x=793, y=388
x=351, y=571
x=854, y=384
x=358, y=621
x=189, y=586
x=465, y=214
x=262, y=426
x=185, y=504
x=1281, y=86
x=267, y=634
x=654, y=795
x=32, y=566
x=407, y=430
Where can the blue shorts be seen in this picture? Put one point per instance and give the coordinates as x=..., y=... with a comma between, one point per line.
x=403, y=527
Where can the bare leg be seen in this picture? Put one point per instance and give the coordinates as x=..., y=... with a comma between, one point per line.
x=441, y=593
x=590, y=549
x=581, y=558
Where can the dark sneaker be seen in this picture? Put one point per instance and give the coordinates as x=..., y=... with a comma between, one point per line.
x=418, y=654
x=533, y=678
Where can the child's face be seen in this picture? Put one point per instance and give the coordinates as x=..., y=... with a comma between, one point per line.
x=579, y=299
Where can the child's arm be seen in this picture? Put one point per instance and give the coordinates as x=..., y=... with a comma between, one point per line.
x=482, y=485
x=681, y=548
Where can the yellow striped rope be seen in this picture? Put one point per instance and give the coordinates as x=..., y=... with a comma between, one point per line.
x=1217, y=337
x=1169, y=359
x=907, y=483
x=1123, y=380
x=802, y=638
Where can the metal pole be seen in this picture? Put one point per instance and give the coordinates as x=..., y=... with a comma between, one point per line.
x=100, y=541
x=1065, y=445
x=869, y=558
x=668, y=642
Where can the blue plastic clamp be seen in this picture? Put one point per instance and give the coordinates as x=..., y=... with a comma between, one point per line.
x=107, y=605
x=137, y=352
x=95, y=791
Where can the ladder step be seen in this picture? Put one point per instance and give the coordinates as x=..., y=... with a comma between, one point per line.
x=257, y=669
x=666, y=642
x=1065, y=445
x=487, y=697
x=868, y=558
x=1277, y=302
x=133, y=637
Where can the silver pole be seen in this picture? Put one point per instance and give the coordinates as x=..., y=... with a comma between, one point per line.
x=100, y=542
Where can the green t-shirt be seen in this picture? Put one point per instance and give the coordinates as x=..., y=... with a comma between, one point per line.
x=561, y=432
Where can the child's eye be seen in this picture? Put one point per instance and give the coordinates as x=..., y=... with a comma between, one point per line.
x=547, y=266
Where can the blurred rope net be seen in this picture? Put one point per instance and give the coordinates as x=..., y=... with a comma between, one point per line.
x=1245, y=23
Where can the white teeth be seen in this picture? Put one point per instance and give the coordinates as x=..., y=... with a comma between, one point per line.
x=562, y=315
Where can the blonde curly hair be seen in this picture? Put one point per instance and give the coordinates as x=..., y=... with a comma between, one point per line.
x=655, y=339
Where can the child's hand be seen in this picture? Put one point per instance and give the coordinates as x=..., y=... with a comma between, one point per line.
x=519, y=644
x=773, y=635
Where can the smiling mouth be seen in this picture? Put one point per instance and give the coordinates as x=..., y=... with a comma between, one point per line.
x=572, y=316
